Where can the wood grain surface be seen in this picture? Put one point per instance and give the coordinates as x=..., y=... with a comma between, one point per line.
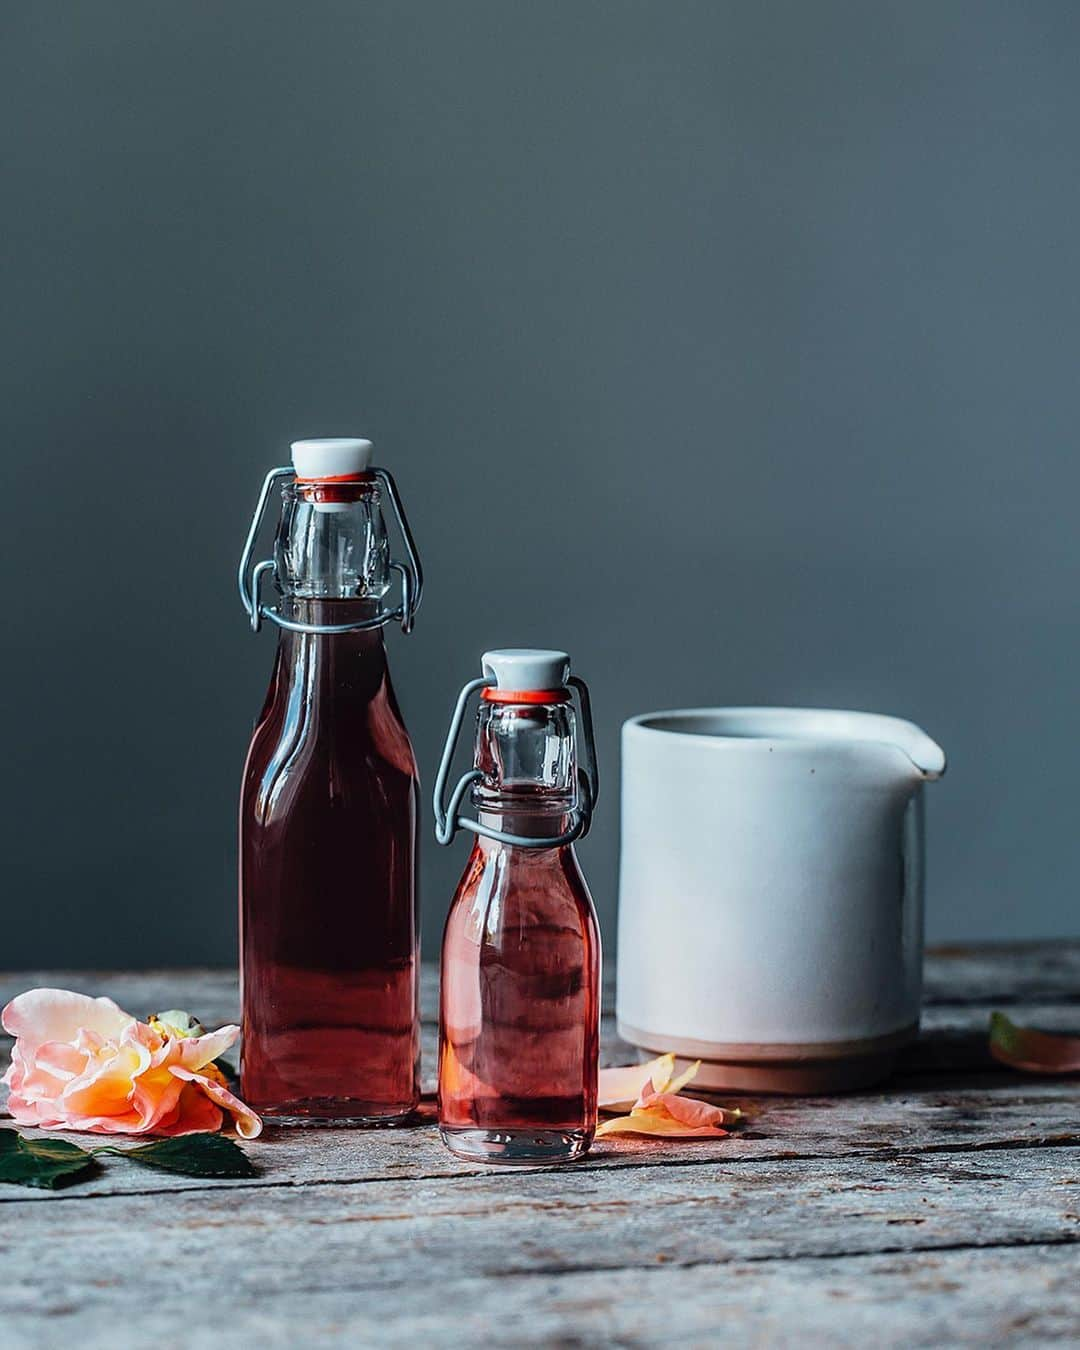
x=941, y=1209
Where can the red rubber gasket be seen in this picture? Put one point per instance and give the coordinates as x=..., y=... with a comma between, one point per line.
x=493, y=695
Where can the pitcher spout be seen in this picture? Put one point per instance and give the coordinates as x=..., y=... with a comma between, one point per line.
x=925, y=754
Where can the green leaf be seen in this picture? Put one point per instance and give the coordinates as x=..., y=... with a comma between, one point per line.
x=48, y=1163
x=194, y=1155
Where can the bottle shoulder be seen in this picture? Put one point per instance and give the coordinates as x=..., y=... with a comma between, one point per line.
x=332, y=732
x=505, y=887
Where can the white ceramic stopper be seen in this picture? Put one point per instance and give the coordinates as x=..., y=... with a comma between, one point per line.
x=335, y=457
x=526, y=668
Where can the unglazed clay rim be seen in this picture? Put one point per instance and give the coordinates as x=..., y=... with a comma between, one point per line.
x=750, y=1053
x=812, y=1078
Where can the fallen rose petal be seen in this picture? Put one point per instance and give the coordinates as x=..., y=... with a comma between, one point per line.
x=680, y=1080
x=687, y=1110
x=657, y=1121
x=668, y=1113
x=1030, y=1050
x=658, y=1108
x=654, y=1089
x=619, y=1088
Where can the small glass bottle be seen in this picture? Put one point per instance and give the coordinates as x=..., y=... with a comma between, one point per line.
x=519, y=1021
x=329, y=949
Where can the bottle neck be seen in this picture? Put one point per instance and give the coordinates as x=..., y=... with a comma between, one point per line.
x=525, y=823
x=350, y=667
x=329, y=612
x=332, y=542
x=526, y=754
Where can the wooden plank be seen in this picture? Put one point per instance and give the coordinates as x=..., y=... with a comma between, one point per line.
x=1012, y=1113
x=526, y=1259
x=918, y=1111
x=709, y=1213
x=829, y=1219
x=992, y=975
x=1015, y=1297
x=953, y=1039
x=1003, y=973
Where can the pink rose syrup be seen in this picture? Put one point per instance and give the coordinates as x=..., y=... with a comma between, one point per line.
x=520, y=1006
x=328, y=837
x=519, y=1024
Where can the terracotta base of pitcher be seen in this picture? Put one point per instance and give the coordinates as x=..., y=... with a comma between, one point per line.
x=783, y=1070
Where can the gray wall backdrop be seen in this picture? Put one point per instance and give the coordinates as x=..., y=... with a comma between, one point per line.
x=731, y=346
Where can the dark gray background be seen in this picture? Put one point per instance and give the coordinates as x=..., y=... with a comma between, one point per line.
x=731, y=346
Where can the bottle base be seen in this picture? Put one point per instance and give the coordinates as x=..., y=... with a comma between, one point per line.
x=516, y=1147
x=337, y=1112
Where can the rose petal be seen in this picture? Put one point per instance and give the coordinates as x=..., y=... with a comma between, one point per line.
x=196, y=1052
x=677, y=1083
x=620, y=1087
x=42, y=1015
x=654, y=1089
x=1032, y=1051
x=154, y=1100
x=657, y=1121
x=26, y=1112
x=193, y=1113
x=60, y=1060
x=248, y=1124
x=687, y=1110
x=43, y=1077
x=660, y=1109
x=104, y=1088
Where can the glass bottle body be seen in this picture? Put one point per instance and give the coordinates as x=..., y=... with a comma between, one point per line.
x=329, y=942
x=519, y=1008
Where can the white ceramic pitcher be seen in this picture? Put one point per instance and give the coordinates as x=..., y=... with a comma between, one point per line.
x=771, y=892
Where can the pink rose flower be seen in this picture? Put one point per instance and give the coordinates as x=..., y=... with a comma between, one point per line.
x=84, y=1064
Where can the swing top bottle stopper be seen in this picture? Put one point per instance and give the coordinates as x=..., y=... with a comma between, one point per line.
x=347, y=559
x=526, y=744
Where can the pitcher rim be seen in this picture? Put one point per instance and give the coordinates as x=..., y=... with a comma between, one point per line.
x=792, y=730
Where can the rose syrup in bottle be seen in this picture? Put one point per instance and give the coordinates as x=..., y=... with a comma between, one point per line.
x=519, y=1021
x=328, y=911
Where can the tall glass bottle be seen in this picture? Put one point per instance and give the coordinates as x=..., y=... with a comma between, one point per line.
x=519, y=1023
x=329, y=947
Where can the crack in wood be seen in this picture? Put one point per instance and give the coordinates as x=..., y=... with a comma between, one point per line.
x=883, y=1153
x=766, y=1258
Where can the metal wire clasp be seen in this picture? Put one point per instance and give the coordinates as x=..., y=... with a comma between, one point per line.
x=447, y=819
x=250, y=578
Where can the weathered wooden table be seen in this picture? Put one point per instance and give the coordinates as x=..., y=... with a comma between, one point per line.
x=942, y=1209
